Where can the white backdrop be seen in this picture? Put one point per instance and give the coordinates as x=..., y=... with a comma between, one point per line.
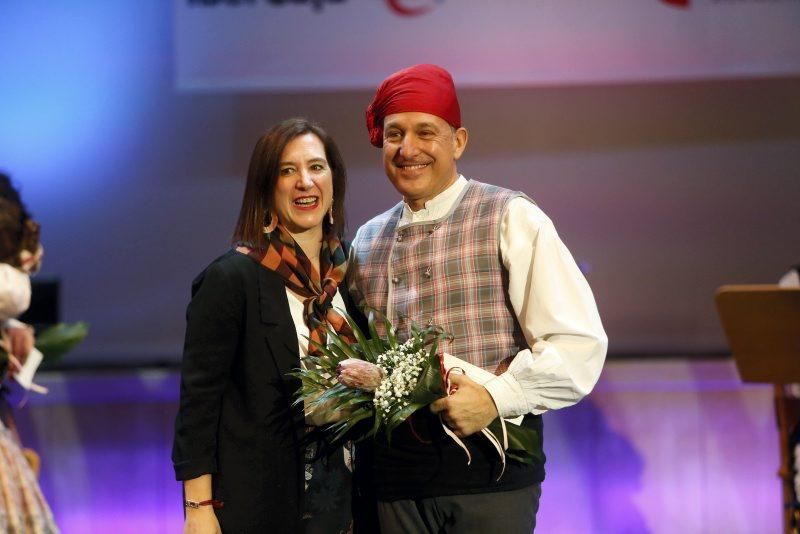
x=296, y=44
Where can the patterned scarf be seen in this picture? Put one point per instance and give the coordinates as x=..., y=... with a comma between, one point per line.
x=284, y=256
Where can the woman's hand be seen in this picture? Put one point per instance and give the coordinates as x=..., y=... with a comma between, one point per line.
x=324, y=414
x=201, y=520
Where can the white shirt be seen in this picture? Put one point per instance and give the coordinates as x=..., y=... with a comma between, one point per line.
x=552, y=302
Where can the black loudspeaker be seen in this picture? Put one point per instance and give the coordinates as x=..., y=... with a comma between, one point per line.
x=44, y=309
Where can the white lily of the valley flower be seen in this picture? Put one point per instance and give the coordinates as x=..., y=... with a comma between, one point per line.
x=402, y=367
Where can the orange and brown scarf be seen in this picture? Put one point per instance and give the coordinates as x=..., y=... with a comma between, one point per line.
x=284, y=256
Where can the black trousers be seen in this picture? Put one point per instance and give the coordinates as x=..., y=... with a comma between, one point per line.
x=509, y=512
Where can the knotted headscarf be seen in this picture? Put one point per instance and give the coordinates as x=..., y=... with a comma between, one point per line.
x=424, y=88
x=284, y=256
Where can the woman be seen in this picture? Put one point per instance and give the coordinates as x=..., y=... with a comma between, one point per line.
x=22, y=505
x=237, y=437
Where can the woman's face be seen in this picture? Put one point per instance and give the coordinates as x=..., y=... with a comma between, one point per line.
x=304, y=189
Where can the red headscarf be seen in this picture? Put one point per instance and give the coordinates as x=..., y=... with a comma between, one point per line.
x=424, y=88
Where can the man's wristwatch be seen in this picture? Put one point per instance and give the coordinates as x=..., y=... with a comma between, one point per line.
x=214, y=503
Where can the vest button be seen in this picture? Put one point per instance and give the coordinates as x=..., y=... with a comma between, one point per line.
x=399, y=237
x=427, y=272
x=395, y=280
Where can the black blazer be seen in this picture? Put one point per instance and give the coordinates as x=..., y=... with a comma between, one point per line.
x=235, y=419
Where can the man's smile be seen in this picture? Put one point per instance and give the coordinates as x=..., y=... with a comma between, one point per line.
x=411, y=166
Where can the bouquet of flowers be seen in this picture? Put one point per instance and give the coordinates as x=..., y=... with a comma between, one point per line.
x=388, y=380
x=380, y=377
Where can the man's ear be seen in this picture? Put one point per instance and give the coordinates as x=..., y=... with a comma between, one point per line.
x=460, y=138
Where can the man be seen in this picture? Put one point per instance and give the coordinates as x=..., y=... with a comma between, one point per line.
x=487, y=265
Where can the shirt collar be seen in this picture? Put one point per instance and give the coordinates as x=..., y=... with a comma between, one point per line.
x=437, y=207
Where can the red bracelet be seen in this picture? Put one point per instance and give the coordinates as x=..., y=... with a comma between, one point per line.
x=214, y=503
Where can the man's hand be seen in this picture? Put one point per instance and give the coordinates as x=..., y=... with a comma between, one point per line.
x=468, y=409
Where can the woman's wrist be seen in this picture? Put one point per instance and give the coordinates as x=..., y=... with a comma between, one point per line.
x=195, y=504
x=198, y=489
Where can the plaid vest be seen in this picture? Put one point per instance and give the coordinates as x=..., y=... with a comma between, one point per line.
x=446, y=272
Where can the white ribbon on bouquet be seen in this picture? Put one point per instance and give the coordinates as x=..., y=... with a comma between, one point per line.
x=451, y=364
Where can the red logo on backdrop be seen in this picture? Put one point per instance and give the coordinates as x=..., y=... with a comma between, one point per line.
x=677, y=3
x=412, y=8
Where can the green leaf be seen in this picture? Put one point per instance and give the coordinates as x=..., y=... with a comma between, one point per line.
x=322, y=366
x=339, y=355
x=355, y=416
x=360, y=337
x=434, y=336
x=351, y=422
x=397, y=418
x=60, y=339
x=524, y=444
x=337, y=391
x=312, y=378
x=353, y=324
x=373, y=330
x=391, y=334
x=323, y=349
x=390, y=342
x=429, y=384
x=336, y=341
x=377, y=423
x=415, y=331
x=355, y=401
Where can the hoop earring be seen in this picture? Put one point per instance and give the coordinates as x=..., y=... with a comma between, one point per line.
x=270, y=222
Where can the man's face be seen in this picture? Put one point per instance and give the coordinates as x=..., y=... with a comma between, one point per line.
x=420, y=151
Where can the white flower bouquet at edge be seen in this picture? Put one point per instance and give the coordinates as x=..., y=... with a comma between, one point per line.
x=383, y=379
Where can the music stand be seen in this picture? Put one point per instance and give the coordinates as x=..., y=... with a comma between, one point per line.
x=762, y=324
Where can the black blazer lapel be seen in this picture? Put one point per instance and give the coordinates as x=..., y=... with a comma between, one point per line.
x=279, y=330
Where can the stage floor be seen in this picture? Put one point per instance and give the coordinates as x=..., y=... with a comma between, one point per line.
x=661, y=446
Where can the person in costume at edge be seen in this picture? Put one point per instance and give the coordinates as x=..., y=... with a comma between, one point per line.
x=238, y=439
x=20, y=256
x=487, y=265
x=22, y=505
